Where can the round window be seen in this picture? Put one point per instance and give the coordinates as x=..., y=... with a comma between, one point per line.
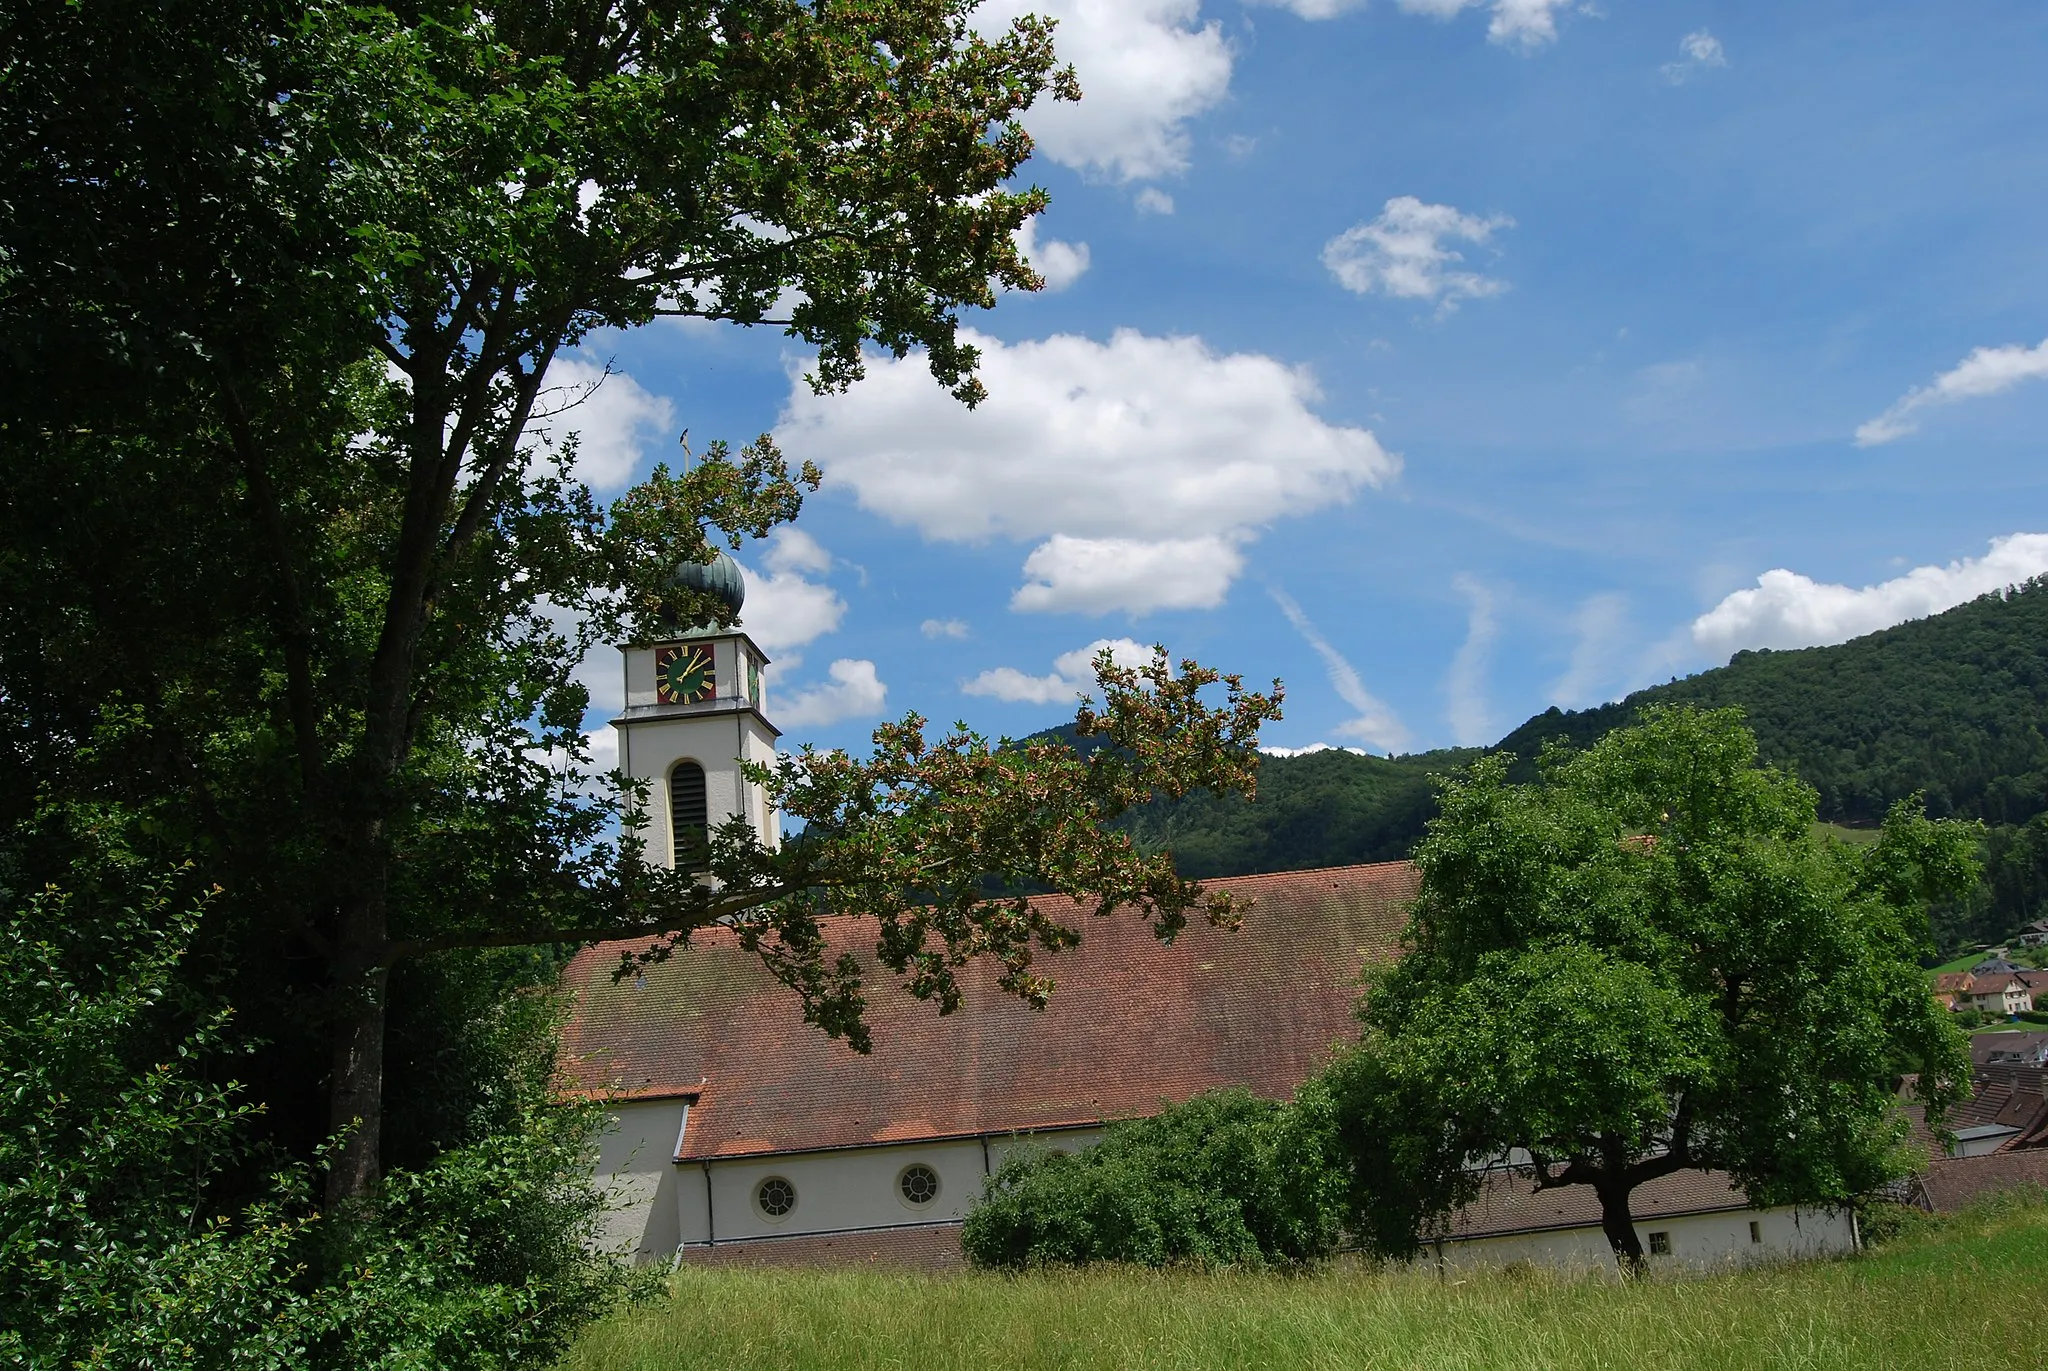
x=919, y=1185
x=776, y=1197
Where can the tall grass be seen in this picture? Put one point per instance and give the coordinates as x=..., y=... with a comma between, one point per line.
x=1971, y=1292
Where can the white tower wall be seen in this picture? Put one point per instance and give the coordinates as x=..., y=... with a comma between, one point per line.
x=718, y=733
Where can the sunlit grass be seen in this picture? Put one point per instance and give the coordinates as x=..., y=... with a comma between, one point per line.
x=1970, y=1293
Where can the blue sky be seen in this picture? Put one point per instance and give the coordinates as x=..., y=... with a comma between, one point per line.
x=1448, y=359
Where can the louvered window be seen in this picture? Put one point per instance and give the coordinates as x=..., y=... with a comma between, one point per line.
x=688, y=814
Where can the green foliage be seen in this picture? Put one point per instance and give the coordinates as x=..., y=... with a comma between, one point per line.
x=1645, y=962
x=115, y=1250
x=1223, y=1180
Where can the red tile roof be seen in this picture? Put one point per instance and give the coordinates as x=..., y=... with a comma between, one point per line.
x=1509, y=1203
x=1132, y=1024
x=1950, y=1185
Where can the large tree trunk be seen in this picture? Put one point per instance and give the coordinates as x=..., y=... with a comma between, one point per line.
x=1620, y=1227
x=356, y=1087
x=358, y=1006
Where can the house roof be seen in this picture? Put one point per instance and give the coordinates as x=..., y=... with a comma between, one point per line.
x=2015, y=1045
x=1949, y=1185
x=1953, y=981
x=1997, y=983
x=1509, y=1203
x=1132, y=1024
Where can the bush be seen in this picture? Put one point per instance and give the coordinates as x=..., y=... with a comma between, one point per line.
x=1225, y=1179
x=114, y=1251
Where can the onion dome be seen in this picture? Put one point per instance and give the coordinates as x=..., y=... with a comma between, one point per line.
x=719, y=578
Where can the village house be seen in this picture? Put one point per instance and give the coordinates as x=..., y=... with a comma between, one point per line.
x=1952, y=989
x=2003, y=993
x=2034, y=934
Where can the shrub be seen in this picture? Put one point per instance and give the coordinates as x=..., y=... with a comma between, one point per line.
x=115, y=1251
x=1225, y=1179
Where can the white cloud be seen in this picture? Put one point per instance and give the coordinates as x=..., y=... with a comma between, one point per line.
x=1314, y=9
x=1098, y=575
x=944, y=628
x=1787, y=610
x=1060, y=263
x=1376, y=724
x=1987, y=371
x=1526, y=23
x=1404, y=253
x=854, y=692
x=1311, y=750
x=1073, y=674
x=1601, y=623
x=1465, y=684
x=785, y=609
x=1140, y=440
x=1152, y=200
x=1703, y=52
x=792, y=549
x=612, y=414
x=1146, y=67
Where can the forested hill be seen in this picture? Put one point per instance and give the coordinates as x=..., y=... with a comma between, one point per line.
x=1952, y=706
x=1329, y=808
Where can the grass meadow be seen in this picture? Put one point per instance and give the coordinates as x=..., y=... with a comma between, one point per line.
x=1968, y=1292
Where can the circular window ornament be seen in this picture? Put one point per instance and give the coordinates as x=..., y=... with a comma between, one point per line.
x=775, y=1197
x=918, y=1185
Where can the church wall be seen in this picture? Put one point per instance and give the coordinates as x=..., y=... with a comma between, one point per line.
x=855, y=1188
x=849, y=1189
x=1701, y=1242
x=636, y=1167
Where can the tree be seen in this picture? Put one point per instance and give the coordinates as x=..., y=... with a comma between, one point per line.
x=294, y=598
x=1646, y=962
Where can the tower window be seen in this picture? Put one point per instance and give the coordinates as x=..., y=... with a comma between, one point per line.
x=689, y=814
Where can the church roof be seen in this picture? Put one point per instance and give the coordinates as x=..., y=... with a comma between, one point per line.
x=1132, y=1024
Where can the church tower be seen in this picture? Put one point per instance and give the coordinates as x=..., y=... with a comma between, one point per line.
x=694, y=712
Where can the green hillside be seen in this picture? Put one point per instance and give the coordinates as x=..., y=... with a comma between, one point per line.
x=1951, y=706
x=1324, y=809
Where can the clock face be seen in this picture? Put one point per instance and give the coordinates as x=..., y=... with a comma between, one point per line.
x=683, y=674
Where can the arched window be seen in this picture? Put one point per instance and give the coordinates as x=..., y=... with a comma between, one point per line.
x=689, y=814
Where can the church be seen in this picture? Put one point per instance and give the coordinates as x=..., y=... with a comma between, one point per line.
x=741, y=1133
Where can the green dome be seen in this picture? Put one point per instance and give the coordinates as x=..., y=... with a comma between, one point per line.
x=719, y=578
